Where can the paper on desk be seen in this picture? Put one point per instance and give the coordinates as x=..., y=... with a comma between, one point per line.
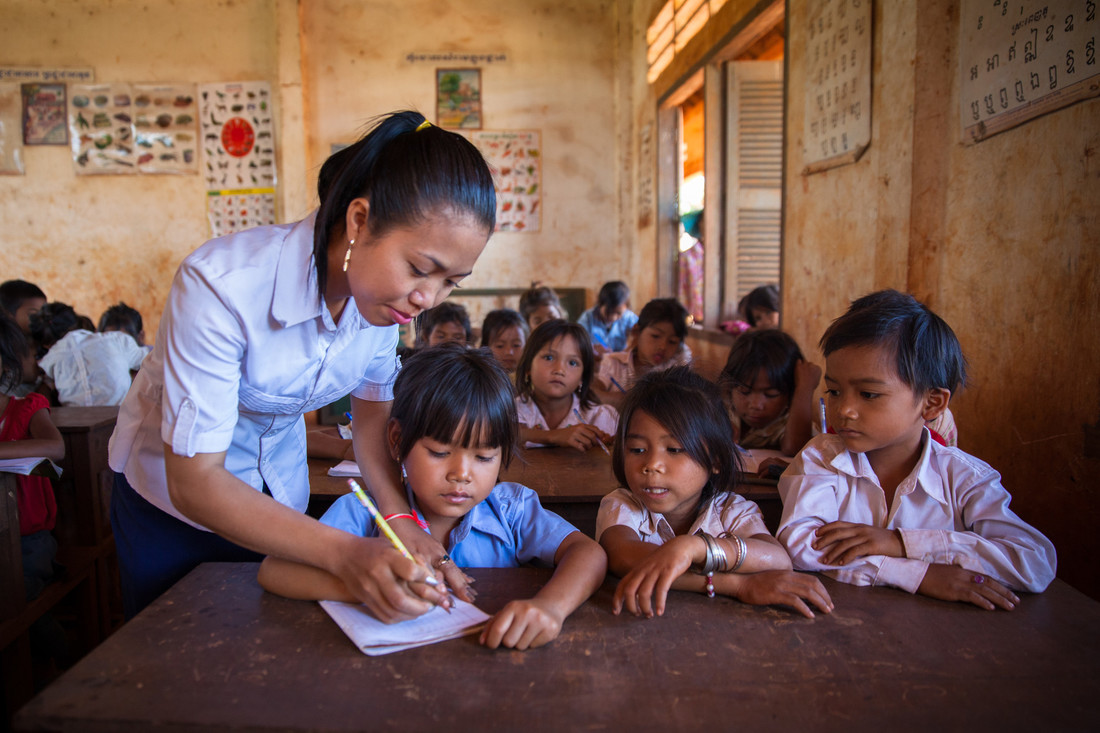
x=375, y=638
x=26, y=466
x=751, y=458
x=345, y=468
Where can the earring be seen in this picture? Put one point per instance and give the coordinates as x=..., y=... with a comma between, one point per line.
x=347, y=255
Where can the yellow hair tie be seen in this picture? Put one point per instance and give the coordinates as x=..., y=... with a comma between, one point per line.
x=423, y=125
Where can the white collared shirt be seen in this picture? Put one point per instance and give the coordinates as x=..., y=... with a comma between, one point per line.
x=727, y=512
x=604, y=417
x=952, y=510
x=92, y=369
x=245, y=347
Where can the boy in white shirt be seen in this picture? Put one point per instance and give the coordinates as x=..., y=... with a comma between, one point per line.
x=879, y=502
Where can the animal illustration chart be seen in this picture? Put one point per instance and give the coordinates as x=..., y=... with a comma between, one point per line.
x=238, y=144
x=515, y=158
x=1019, y=60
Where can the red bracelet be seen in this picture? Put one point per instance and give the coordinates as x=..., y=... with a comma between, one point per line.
x=423, y=525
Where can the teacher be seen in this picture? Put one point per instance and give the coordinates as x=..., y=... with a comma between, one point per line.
x=265, y=325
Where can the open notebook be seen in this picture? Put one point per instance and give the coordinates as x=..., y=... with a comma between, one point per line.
x=374, y=637
x=345, y=468
x=27, y=466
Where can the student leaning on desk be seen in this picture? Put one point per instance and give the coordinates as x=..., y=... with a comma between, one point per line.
x=268, y=324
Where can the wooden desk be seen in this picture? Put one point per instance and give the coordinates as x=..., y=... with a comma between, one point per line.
x=215, y=652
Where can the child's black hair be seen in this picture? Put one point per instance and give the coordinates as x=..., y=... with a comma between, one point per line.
x=611, y=296
x=498, y=320
x=690, y=407
x=766, y=297
x=448, y=388
x=536, y=296
x=13, y=349
x=14, y=292
x=664, y=310
x=547, y=333
x=122, y=317
x=927, y=352
x=51, y=322
x=407, y=173
x=771, y=350
x=445, y=312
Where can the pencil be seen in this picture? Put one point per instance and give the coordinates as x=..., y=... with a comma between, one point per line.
x=385, y=526
x=583, y=422
x=824, y=427
x=617, y=385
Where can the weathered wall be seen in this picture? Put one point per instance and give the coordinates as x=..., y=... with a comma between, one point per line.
x=1001, y=238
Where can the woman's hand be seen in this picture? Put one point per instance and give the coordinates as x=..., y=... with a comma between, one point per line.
x=427, y=549
x=952, y=583
x=841, y=543
x=785, y=588
x=390, y=585
x=645, y=588
x=522, y=625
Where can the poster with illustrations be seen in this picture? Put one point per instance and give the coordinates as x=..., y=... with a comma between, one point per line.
x=123, y=128
x=11, y=130
x=44, y=114
x=238, y=151
x=516, y=160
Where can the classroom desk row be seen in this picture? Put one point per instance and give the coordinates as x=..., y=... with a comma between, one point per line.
x=568, y=482
x=217, y=653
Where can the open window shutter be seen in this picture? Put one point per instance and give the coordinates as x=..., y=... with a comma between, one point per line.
x=754, y=175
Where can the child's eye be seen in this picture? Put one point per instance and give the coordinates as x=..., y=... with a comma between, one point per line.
x=832, y=392
x=771, y=395
x=574, y=363
x=869, y=395
x=437, y=453
x=486, y=459
x=743, y=390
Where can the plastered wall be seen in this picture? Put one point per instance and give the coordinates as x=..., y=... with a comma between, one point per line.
x=1001, y=238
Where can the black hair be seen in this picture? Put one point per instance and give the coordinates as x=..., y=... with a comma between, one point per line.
x=407, y=172
x=547, y=333
x=14, y=292
x=13, y=349
x=51, y=322
x=122, y=317
x=690, y=407
x=448, y=388
x=773, y=351
x=664, y=310
x=612, y=295
x=537, y=296
x=928, y=354
x=765, y=296
x=498, y=320
x=443, y=313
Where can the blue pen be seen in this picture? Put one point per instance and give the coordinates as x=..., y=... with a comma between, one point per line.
x=824, y=427
x=599, y=340
x=598, y=442
x=617, y=385
x=348, y=416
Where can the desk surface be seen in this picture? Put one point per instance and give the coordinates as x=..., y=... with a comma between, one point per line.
x=72, y=419
x=216, y=652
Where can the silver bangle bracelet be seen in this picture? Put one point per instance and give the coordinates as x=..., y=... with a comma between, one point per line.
x=742, y=550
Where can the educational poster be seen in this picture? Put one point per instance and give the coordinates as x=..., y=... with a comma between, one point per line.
x=125, y=128
x=837, y=123
x=11, y=130
x=238, y=146
x=458, y=98
x=44, y=114
x=1019, y=60
x=516, y=161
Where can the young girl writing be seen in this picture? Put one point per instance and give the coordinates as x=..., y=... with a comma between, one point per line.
x=451, y=444
x=658, y=342
x=769, y=389
x=26, y=431
x=610, y=321
x=555, y=403
x=881, y=502
x=504, y=332
x=679, y=524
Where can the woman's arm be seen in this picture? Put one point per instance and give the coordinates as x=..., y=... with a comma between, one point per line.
x=203, y=490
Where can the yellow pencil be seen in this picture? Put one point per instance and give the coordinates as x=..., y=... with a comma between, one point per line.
x=385, y=526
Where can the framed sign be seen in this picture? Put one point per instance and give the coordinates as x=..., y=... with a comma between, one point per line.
x=44, y=121
x=458, y=98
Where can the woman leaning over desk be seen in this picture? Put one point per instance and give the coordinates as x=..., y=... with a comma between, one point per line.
x=270, y=323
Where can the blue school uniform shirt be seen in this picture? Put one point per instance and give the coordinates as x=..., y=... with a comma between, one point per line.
x=613, y=335
x=509, y=529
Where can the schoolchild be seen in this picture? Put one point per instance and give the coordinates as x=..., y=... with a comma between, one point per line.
x=121, y=317
x=265, y=325
x=555, y=401
x=539, y=304
x=504, y=332
x=451, y=443
x=446, y=323
x=658, y=342
x=21, y=300
x=610, y=321
x=679, y=523
x=881, y=502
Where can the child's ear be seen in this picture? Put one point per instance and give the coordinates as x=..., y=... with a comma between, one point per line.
x=935, y=402
x=393, y=438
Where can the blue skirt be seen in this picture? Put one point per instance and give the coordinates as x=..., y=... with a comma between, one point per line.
x=155, y=549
